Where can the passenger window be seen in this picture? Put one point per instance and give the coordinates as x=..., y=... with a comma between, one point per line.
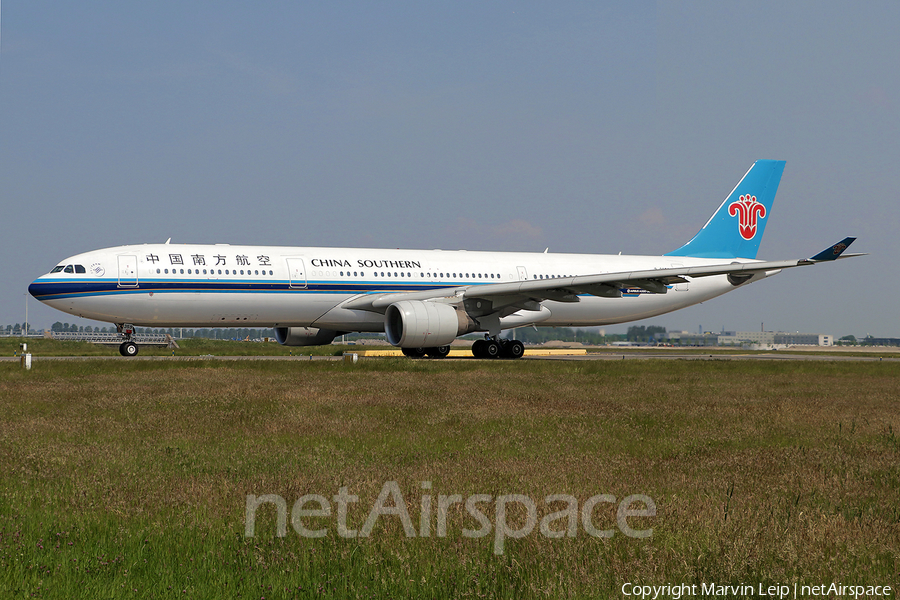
x=182, y=271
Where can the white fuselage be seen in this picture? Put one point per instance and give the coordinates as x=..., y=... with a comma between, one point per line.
x=186, y=285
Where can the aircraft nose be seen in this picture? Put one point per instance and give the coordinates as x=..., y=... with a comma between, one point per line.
x=34, y=289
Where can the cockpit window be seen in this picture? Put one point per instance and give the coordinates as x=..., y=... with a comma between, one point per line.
x=58, y=269
x=80, y=269
x=69, y=269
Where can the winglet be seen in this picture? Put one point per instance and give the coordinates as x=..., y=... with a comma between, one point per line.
x=834, y=252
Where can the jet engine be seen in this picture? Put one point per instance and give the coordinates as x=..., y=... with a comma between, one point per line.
x=417, y=324
x=304, y=336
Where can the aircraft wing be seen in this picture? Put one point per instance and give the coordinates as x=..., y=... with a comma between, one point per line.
x=517, y=295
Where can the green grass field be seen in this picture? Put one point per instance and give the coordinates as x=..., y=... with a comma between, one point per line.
x=129, y=479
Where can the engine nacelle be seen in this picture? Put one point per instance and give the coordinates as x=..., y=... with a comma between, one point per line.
x=304, y=336
x=417, y=324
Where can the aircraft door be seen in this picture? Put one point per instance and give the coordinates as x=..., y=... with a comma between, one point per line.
x=523, y=274
x=296, y=273
x=128, y=271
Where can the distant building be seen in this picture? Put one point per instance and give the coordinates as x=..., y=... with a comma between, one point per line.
x=744, y=338
x=686, y=338
x=776, y=338
x=804, y=339
x=874, y=341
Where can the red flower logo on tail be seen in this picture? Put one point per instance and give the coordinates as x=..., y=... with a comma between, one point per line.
x=747, y=210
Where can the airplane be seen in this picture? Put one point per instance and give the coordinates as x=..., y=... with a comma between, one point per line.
x=421, y=299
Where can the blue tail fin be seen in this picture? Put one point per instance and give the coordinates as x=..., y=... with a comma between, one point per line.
x=736, y=228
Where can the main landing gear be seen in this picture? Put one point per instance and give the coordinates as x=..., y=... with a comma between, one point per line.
x=438, y=352
x=496, y=348
x=128, y=347
x=486, y=348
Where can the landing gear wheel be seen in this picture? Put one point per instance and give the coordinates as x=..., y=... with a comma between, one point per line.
x=513, y=349
x=439, y=352
x=490, y=349
x=478, y=349
x=413, y=352
x=128, y=349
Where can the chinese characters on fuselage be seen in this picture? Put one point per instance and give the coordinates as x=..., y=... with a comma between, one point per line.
x=200, y=259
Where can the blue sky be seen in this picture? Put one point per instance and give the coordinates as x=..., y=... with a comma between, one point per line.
x=583, y=127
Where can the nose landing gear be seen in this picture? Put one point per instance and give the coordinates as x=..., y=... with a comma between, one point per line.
x=128, y=347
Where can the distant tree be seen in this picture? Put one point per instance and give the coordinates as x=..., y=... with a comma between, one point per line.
x=640, y=333
x=530, y=335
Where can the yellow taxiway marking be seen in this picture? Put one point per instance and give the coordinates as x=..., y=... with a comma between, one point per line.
x=467, y=352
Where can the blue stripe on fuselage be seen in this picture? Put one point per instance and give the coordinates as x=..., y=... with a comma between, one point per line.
x=58, y=289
